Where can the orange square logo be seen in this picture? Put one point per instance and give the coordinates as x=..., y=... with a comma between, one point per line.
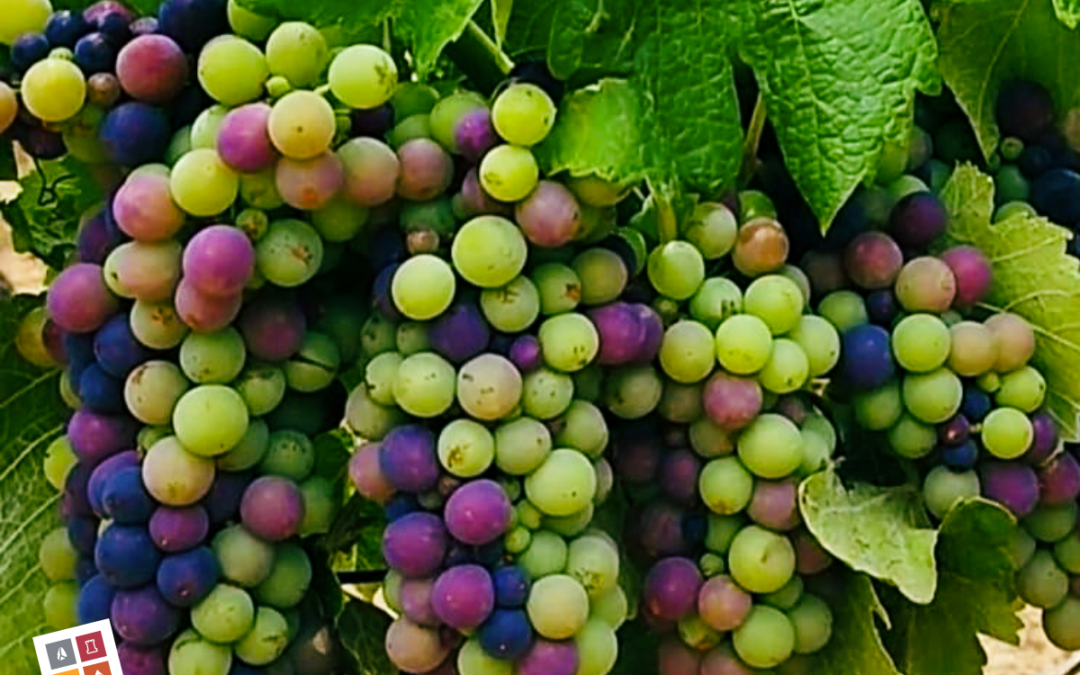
x=97, y=669
x=68, y=672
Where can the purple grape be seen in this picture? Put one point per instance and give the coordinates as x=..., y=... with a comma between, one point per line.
x=918, y=219
x=723, y=660
x=367, y=476
x=408, y=459
x=272, y=508
x=1044, y=438
x=810, y=557
x=124, y=499
x=549, y=658
x=135, y=133
x=137, y=660
x=372, y=122
x=82, y=533
x=637, y=459
x=1056, y=195
x=977, y=404
x=426, y=170
x=722, y=604
x=675, y=658
x=126, y=556
x=478, y=512
x=654, y=333
x=460, y=333
x=186, y=578
x=1024, y=109
x=955, y=431
x=507, y=635
x=1059, y=480
x=103, y=90
x=872, y=260
x=794, y=407
x=463, y=597
x=103, y=473
x=679, y=476
x=179, y=529
x=671, y=588
x=473, y=201
x=116, y=348
x=525, y=353
x=143, y=617
x=37, y=141
x=95, y=53
x=273, y=327
x=866, y=357
x=622, y=333
x=192, y=22
x=474, y=135
x=78, y=300
x=1012, y=484
x=95, y=437
x=882, y=307
x=95, y=239
x=243, y=141
x=775, y=505
x=414, y=597
x=511, y=587
x=960, y=457
x=732, y=402
x=98, y=13
x=550, y=216
x=75, y=501
x=973, y=273
x=222, y=502
x=100, y=392
x=95, y=600
x=415, y=544
x=28, y=49
x=219, y=261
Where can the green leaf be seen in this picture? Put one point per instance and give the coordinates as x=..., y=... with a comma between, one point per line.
x=9, y=170
x=500, y=18
x=986, y=44
x=880, y=531
x=44, y=217
x=362, y=628
x=31, y=416
x=332, y=453
x=1033, y=277
x=529, y=29
x=354, y=20
x=357, y=531
x=975, y=595
x=1068, y=12
x=572, y=23
x=856, y=645
x=326, y=587
x=430, y=25
x=836, y=77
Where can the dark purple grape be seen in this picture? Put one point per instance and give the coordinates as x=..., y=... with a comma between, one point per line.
x=679, y=476
x=415, y=544
x=272, y=508
x=694, y=527
x=507, y=635
x=408, y=459
x=960, y=457
x=654, y=333
x=872, y=260
x=95, y=53
x=82, y=533
x=474, y=135
x=1056, y=195
x=143, y=617
x=511, y=587
x=866, y=358
x=478, y=512
x=186, y=578
x=103, y=473
x=124, y=498
x=95, y=239
x=28, y=49
x=976, y=404
x=537, y=72
x=549, y=658
x=126, y=556
x=463, y=597
x=116, y=348
x=1035, y=160
x=622, y=333
x=671, y=588
x=775, y=505
x=825, y=270
x=637, y=459
x=460, y=333
x=37, y=141
x=372, y=122
x=95, y=600
x=973, y=273
x=1025, y=110
x=810, y=557
x=525, y=353
x=882, y=307
x=273, y=326
x=100, y=392
x=1059, y=480
x=222, y=502
x=79, y=348
x=135, y=133
x=191, y=102
x=659, y=531
x=75, y=501
x=473, y=201
x=918, y=219
x=95, y=437
x=192, y=22
x=1044, y=439
x=136, y=660
x=1012, y=484
x=955, y=431
x=179, y=529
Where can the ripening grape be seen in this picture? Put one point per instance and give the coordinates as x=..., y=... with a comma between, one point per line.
x=301, y=125
x=363, y=76
x=202, y=184
x=298, y=52
x=1015, y=340
x=232, y=70
x=53, y=90
x=509, y=173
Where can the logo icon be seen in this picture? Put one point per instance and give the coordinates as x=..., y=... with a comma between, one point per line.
x=61, y=654
x=90, y=646
x=97, y=669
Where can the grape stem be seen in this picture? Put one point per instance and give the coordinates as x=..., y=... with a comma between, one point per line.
x=753, y=138
x=480, y=58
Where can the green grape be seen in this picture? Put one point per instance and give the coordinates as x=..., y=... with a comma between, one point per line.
x=473, y=660
x=1021, y=546
x=489, y=387
x=202, y=185
x=1067, y=553
x=298, y=52
x=594, y=562
x=412, y=338
x=1041, y=582
x=1060, y=624
x=212, y=358
x=152, y=390
x=60, y=458
x=564, y=484
x=632, y=393
x=799, y=278
x=243, y=558
x=262, y=386
x=813, y=622
x=248, y=24
x=259, y=190
x=725, y=486
x=696, y=634
x=921, y=343
x=289, y=578
x=819, y=341
x=191, y=654
x=1006, y=433
x=688, y=352
x=582, y=427
x=232, y=70
x=423, y=287
x=816, y=423
x=249, y=451
x=933, y=397
x=289, y=453
x=771, y=447
x=425, y=385
x=267, y=639
x=61, y=605
x=722, y=530
x=709, y=439
x=755, y=204
x=314, y=367
x=413, y=98
x=787, y=369
x=776, y=300
x=766, y=639
x=712, y=228
x=320, y=506
x=23, y=16
x=340, y=220
x=205, y=128
x=743, y=344
x=379, y=374
x=521, y=446
x=466, y=448
x=67, y=394
x=509, y=173
x=843, y=309
x=302, y=125
x=911, y=438
x=788, y=596
x=603, y=275
x=573, y=524
x=716, y=300
x=447, y=112
x=210, y=419
x=367, y=418
x=290, y=253
x=174, y=476
x=378, y=335
x=557, y=606
x=944, y=488
x=559, y=287
x=676, y=270
x=523, y=114
x=761, y=561
x=569, y=342
x=363, y=76
x=415, y=126
x=589, y=383
x=512, y=308
x=57, y=556
x=528, y=515
x=546, y=393
x=1051, y=524
x=881, y=408
x=517, y=540
x=1024, y=389
x=546, y=555
x=612, y=607
x=598, y=647
x=224, y=615
x=489, y=251
x=681, y=403
x=53, y=90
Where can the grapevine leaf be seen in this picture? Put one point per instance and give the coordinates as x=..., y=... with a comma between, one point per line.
x=9, y=170
x=596, y=37
x=352, y=19
x=500, y=18
x=975, y=595
x=332, y=453
x=361, y=628
x=1068, y=12
x=44, y=217
x=31, y=416
x=637, y=649
x=1033, y=277
x=856, y=645
x=837, y=78
x=611, y=518
x=880, y=531
x=986, y=44
x=430, y=25
x=357, y=530
x=529, y=28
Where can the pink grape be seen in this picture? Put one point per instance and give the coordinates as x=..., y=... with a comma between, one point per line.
x=144, y=208
x=1012, y=484
x=273, y=326
x=272, y=508
x=78, y=299
x=872, y=260
x=722, y=604
x=415, y=544
x=414, y=596
x=463, y=597
x=243, y=141
x=1059, y=480
x=149, y=271
x=371, y=171
x=152, y=68
x=974, y=275
x=219, y=261
x=473, y=201
x=679, y=476
x=926, y=284
x=413, y=648
x=722, y=660
x=426, y=170
x=825, y=270
x=1044, y=439
x=730, y=401
x=675, y=658
x=205, y=313
x=550, y=216
x=549, y=658
x=810, y=557
x=775, y=505
x=478, y=512
x=309, y=184
x=368, y=478
x=671, y=588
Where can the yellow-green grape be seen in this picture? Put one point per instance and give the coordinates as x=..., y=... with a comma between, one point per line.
x=363, y=76
x=247, y=23
x=298, y=52
x=53, y=90
x=232, y=70
x=302, y=125
x=523, y=114
x=509, y=173
x=202, y=184
x=18, y=17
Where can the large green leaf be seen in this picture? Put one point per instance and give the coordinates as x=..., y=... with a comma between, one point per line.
x=597, y=37
x=361, y=629
x=975, y=595
x=1033, y=277
x=984, y=45
x=856, y=645
x=353, y=20
x=500, y=18
x=430, y=25
x=880, y=531
x=837, y=76
x=31, y=416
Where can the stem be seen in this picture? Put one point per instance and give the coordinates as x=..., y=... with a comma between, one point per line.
x=479, y=57
x=667, y=225
x=753, y=139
